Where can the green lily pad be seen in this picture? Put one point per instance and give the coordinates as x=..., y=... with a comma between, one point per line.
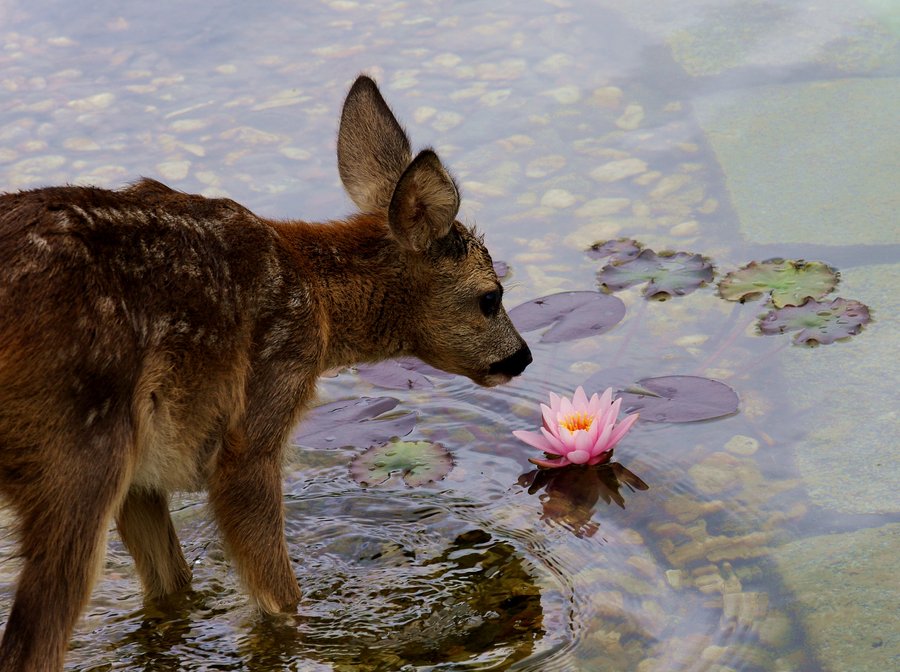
x=816, y=321
x=418, y=462
x=791, y=282
x=667, y=274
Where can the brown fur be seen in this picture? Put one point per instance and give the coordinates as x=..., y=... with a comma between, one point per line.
x=153, y=341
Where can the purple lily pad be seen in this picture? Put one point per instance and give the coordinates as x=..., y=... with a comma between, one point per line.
x=418, y=462
x=790, y=282
x=667, y=274
x=353, y=422
x=817, y=322
x=573, y=315
x=622, y=249
x=680, y=399
x=616, y=377
x=406, y=373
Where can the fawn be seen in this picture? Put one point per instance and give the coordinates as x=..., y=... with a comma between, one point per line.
x=153, y=341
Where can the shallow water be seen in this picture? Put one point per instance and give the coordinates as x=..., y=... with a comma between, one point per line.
x=741, y=131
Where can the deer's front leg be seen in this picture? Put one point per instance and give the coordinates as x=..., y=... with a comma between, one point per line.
x=246, y=498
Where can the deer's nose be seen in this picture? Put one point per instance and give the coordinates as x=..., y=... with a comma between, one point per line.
x=514, y=364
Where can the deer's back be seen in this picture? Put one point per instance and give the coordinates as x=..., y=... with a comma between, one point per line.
x=144, y=301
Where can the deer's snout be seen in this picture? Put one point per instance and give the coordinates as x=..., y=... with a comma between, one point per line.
x=514, y=364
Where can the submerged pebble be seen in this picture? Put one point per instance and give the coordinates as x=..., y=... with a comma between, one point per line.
x=614, y=171
x=631, y=118
x=558, y=198
x=173, y=170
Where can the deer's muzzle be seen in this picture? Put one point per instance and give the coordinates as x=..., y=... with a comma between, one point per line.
x=514, y=364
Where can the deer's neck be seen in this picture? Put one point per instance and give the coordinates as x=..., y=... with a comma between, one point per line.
x=360, y=286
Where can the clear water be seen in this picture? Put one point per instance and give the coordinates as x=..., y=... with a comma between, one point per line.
x=530, y=103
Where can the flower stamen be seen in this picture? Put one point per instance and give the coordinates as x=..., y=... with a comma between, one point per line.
x=576, y=421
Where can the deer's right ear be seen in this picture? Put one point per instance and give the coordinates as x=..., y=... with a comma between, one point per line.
x=373, y=150
x=424, y=204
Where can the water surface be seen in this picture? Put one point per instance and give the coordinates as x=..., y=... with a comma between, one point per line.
x=737, y=130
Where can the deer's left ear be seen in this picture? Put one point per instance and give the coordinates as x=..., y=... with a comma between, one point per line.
x=373, y=150
x=424, y=203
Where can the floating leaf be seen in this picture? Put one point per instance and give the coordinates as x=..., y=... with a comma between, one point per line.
x=679, y=399
x=572, y=314
x=791, y=282
x=818, y=322
x=667, y=274
x=622, y=249
x=419, y=462
x=406, y=373
x=616, y=377
x=353, y=422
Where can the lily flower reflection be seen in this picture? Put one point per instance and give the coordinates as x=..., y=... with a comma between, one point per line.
x=578, y=431
x=570, y=495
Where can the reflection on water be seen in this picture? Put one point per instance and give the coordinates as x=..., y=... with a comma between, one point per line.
x=566, y=122
x=571, y=494
x=392, y=579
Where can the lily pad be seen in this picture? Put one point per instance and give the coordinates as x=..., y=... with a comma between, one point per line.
x=418, y=462
x=406, y=373
x=353, y=422
x=817, y=322
x=622, y=249
x=573, y=315
x=667, y=274
x=679, y=399
x=790, y=282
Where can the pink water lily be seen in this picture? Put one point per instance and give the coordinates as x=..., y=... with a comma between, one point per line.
x=578, y=431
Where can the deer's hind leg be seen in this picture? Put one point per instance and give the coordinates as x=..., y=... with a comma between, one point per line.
x=66, y=493
x=146, y=529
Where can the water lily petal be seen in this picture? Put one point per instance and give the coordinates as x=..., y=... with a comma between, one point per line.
x=611, y=413
x=567, y=438
x=549, y=418
x=535, y=440
x=594, y=430
x=579, y=400
x=555, y=401
x=565, y=409
x=601, y=445
x=602, y=458
x=622, y=429
x=582, y=440
x=557, y=447
x=549, y=464
x=593, y=405
x=578, y=456
x=599, y=404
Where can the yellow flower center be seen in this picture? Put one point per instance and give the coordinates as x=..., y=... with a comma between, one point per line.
x=577, y=421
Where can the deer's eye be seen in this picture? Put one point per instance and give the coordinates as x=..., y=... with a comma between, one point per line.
x=489, y=303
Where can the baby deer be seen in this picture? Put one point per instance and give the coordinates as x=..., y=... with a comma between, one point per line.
x=154, y=341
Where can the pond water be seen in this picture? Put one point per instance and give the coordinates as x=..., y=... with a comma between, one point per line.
x=767, y=540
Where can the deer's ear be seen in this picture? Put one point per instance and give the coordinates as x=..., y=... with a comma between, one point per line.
x=373, y=150
x=424, y=204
